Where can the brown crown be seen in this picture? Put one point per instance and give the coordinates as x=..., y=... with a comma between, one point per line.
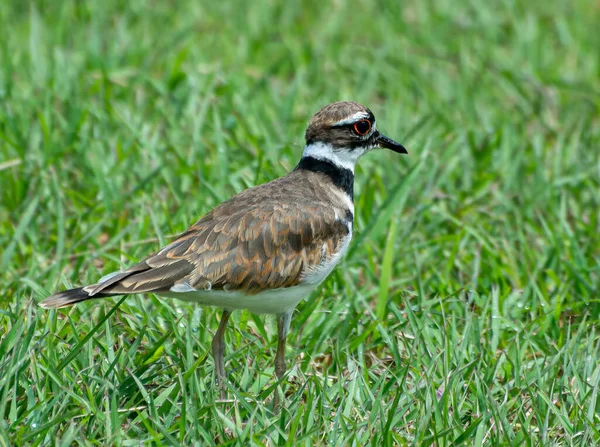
x=321, y=126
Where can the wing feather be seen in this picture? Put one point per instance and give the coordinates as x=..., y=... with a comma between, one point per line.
x=264, y=238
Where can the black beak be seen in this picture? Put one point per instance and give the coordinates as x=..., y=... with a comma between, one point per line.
x=388, y=143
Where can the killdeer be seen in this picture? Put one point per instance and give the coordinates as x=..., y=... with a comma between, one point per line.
x=268, y=247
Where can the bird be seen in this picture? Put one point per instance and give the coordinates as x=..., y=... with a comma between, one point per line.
x=266, y=248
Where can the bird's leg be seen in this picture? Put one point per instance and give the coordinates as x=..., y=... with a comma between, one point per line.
x=218, y=352
x=283, y=327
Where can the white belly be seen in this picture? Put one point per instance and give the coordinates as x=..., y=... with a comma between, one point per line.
x=269, y=302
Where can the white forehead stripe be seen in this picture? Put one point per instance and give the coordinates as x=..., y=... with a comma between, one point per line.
x=351, y=119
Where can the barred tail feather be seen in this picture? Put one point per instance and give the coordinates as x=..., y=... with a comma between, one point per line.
x=69, y=297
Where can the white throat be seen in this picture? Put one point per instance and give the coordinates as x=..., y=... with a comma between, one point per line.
x=344, y=158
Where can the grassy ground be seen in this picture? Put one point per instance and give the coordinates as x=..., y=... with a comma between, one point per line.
x=467, y=311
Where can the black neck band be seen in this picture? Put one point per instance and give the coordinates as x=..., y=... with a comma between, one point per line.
x=341, y=177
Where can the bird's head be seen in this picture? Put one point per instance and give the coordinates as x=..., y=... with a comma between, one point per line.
x=342, y=132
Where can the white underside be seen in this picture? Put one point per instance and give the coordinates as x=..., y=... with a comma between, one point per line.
x=275, y=301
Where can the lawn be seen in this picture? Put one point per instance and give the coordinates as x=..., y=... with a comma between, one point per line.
x=467, y=311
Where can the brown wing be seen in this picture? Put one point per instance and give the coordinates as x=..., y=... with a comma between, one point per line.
x=264, y=238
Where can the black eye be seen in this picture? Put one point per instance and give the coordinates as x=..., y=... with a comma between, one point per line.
x=362, y=127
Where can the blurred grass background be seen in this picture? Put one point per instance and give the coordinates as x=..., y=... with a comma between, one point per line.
x=467, y=310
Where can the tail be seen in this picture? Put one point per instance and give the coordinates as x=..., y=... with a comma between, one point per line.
x=138, y=278
x=70, y=297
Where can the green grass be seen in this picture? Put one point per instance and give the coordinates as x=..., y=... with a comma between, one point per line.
x=467, y=311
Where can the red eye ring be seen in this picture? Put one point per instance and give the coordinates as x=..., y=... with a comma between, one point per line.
x=362, y=127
